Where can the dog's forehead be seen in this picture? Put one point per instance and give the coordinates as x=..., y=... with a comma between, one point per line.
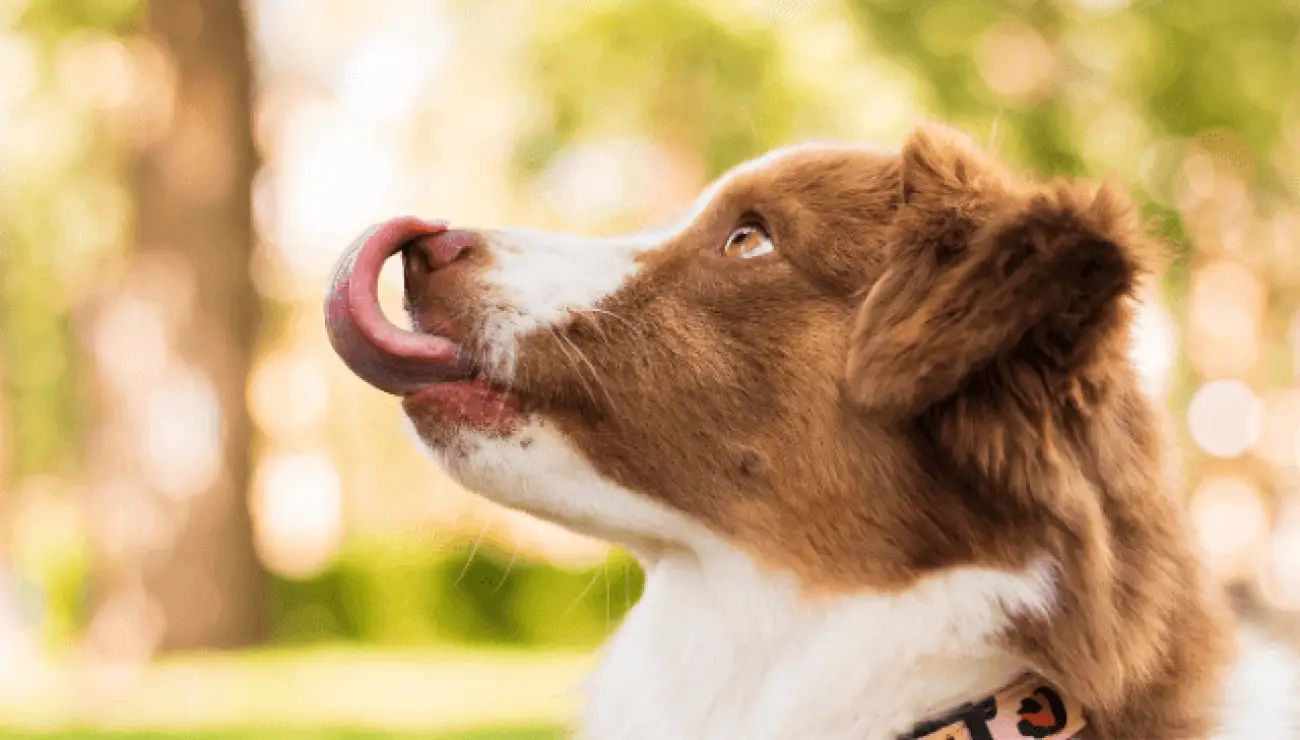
x=772, y=164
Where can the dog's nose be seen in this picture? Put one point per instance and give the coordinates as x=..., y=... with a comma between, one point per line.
x=434, y=252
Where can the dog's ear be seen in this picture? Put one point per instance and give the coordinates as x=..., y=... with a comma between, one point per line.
x=981, y=265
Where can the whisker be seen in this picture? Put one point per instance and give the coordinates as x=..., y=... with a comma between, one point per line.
x=591, y=313
x=473, y=551
x=513, y=556
x=559, y=342
x=630, y=324
x=592, y=321
x=594, y=375
x=595, y=577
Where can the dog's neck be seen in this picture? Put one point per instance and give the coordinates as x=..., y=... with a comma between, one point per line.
x=718, y=649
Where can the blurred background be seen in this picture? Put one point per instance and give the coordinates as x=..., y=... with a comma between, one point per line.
x=210, y=529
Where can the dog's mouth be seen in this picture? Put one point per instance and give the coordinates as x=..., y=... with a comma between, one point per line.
x=429, y=370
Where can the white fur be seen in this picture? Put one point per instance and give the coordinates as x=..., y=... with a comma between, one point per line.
x=718, y=649
x=537, y=279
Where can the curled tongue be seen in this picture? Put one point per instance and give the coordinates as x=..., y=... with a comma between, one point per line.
x=390, y=358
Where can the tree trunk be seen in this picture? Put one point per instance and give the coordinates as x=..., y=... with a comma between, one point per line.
x=173, y=343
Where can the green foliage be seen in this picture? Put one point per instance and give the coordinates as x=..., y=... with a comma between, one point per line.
x=1187, y=66
x=63, y=586
x=666, y=67
x=38, y=347
x=56, y=18
x=404, y=594
x=939, y=41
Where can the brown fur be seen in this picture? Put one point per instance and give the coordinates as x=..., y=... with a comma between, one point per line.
x=931, y=372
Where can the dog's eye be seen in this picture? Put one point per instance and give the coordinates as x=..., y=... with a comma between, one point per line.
x=747, y=242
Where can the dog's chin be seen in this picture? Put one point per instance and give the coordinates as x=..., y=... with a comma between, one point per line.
x=497, y=447
x=442, y=412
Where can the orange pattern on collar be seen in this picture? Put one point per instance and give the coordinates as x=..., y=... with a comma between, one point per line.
x=1028, y=709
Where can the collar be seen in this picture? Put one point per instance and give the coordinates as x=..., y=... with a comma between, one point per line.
x=1027, y=709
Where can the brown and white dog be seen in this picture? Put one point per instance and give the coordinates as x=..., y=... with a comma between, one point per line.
x=868, y=420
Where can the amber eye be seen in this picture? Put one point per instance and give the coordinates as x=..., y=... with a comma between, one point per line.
x=748, y=242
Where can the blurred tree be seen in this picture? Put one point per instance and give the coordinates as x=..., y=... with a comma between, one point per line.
x=173, y=343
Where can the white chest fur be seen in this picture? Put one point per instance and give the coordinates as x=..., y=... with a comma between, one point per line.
x=716, y=649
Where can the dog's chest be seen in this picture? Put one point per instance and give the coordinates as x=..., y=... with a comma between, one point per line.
x=729, y=653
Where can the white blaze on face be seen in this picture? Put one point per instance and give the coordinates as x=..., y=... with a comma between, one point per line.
x=537, y=279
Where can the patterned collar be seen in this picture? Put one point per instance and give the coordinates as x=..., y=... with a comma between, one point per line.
x=1028, y=709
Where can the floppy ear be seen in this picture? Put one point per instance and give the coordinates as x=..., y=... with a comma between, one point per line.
x=981, y=265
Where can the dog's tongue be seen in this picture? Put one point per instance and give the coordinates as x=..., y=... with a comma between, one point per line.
x=390, y=358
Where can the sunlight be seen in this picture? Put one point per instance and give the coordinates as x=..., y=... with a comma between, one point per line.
x=597, y=181
x=333, y=176
x=288, y=396
x=18, y=72
x=1231, y=522
x=1154, y=346
x=390, y=69
x=95, y=70
x=1280, y=581
x=182, y=437
x=1225, y=418
x=1016, y=61
x=297, y=512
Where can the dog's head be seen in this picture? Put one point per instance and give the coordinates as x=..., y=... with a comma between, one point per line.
x=698, y=372
x=853, y=366
x=729, y=372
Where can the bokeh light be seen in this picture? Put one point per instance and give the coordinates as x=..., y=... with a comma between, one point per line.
x=1279, y=439
x=1155, y=346
x=289, y=396
x=1226, y=308
x=1232, y=522
x=1225, y=418
x=297, y=512
x=1281, y=579
x=1016, y=62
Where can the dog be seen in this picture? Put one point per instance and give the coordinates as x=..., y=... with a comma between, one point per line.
x=869, y=421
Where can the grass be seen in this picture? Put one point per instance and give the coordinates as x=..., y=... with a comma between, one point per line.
x=537, y=733
x=319, y=693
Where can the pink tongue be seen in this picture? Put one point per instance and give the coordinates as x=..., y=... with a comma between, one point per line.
x=390, y=358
